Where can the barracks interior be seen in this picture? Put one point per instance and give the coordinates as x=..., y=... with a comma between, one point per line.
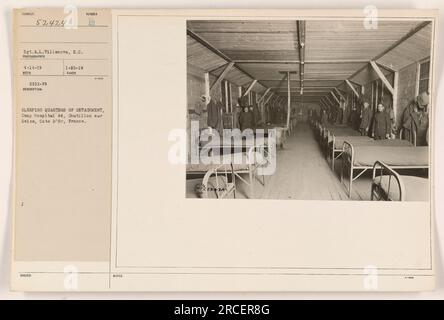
x=348, y=107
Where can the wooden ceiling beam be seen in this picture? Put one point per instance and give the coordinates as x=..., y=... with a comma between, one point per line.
x=207, y=45
x=296, y=98
x=288, y=100
x=306, y=87
x=382, y=77
x=394, y=45
x=306, y=93
x=222, y=75
x=213, y=49
x=263, y=96
x=267, y=61
x=301, y=42
x=321, y=101
x=327, y=105
x=306, y=79
x=385, y=66
x=334, y=96
x=339, y=93
x=246, y=32
x=332, y=103
x=352, y=87
x=258, y=61
x=249, y=88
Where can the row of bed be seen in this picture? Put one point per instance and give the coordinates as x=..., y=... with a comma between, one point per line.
x=384, y=157
x=228, y=161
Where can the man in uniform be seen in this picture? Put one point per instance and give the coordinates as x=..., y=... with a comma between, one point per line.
x=382, y=124
x=415, y=119
x=246, y=119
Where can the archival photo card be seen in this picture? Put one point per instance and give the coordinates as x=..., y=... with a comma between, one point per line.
x=331, y=109
x=209, y=150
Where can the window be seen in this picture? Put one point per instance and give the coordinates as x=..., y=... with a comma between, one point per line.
x=424, y=77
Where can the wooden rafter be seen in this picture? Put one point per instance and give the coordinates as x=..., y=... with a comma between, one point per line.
x=334, y=96
x=222, y=75
x=352, y=87
x=249, y=88
x=263, y=95
x=301, y=43
x=323, y=102
x=299, y=61
x=306, y=87
x=339, y=93
x=382, y=77
x=394, y=45
x=268, y=99
x=213, y=49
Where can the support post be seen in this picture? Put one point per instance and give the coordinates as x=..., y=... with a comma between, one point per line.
x=288, y=100
x=207, y=84
x=395, y=93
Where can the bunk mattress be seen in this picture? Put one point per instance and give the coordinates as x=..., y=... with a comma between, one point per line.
x=397, y=156
x=415, y=188
x=339, y=132
x=367, y=141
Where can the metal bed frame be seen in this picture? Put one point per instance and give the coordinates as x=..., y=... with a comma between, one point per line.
x=401, y=133
x=335, y=153
x=377, y=192
x=324, y=138
x=221, y=171
x=348, y=158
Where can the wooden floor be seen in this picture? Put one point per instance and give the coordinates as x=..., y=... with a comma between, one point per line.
x=303, y=173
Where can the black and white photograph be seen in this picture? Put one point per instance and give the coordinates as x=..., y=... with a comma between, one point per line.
x=325, y=109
